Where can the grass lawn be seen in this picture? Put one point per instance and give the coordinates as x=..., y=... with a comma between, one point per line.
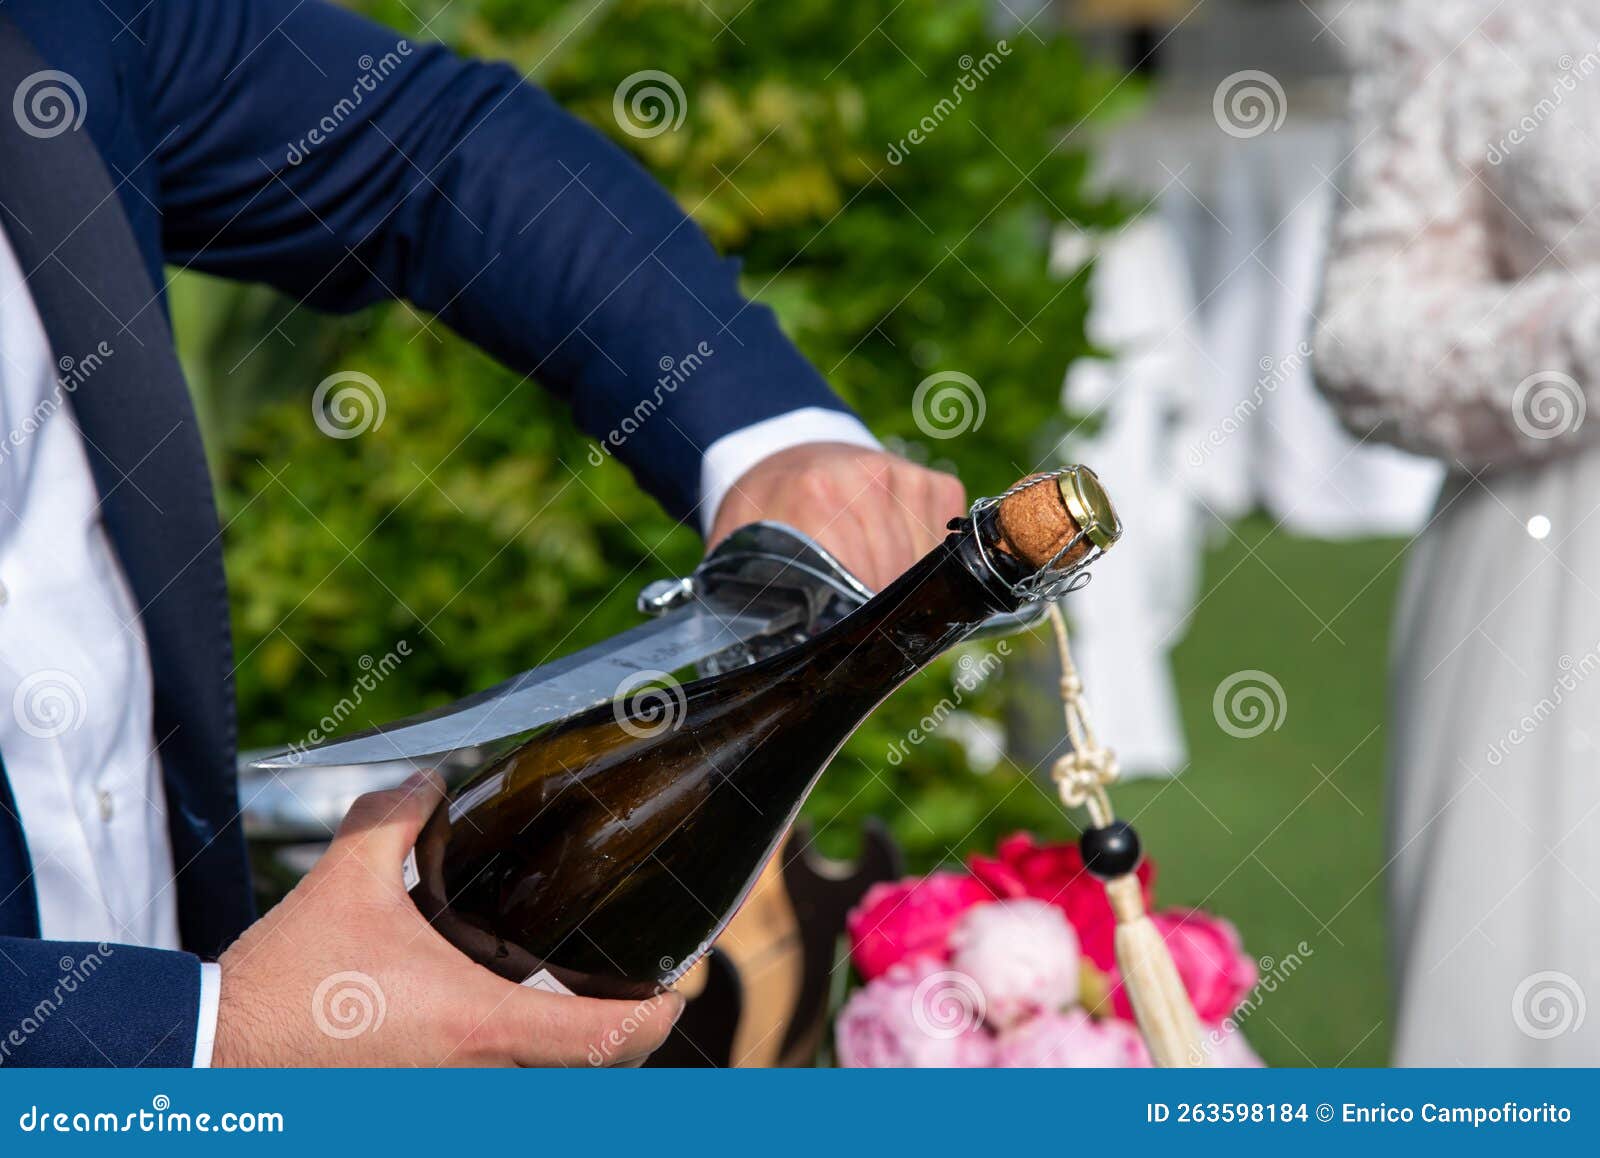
x=1282, y=832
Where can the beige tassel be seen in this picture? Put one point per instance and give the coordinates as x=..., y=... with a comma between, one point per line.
x=1160, y=1003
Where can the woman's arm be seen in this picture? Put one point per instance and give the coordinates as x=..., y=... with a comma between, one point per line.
x=1423, y=339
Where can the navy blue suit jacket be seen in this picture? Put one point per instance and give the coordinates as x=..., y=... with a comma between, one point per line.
x=236, y=137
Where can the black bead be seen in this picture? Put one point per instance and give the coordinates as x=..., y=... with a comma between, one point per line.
x=1112, y=851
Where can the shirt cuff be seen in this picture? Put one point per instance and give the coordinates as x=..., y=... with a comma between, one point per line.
x=727, y=459
x=205, y=1036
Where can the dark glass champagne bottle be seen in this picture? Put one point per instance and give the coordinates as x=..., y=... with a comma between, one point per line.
x=604, y=855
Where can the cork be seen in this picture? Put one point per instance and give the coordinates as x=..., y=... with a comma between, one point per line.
x=1035, y=524
x=1069, y=514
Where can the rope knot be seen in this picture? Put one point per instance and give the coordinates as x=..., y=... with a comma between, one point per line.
x=1080, y=775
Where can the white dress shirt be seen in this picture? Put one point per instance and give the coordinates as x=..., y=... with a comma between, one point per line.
x=76, y=729
x=731, y=455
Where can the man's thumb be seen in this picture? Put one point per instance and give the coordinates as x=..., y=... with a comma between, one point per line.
x=381, y=827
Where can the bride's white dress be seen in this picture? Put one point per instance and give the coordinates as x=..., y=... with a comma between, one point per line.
x=1461, y=319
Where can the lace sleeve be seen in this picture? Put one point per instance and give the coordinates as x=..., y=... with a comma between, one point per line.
x=1423, y=340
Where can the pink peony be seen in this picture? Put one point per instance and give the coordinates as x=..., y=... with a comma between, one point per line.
x=1219, y=1048
x=1023, y=954
x=1229, y=1050
x=909, y=918
x=1211, y=962
x=1022, y=867
x=1071, y=1040
x=918, y=1015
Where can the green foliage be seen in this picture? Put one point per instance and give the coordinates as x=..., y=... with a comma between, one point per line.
x=471, y=522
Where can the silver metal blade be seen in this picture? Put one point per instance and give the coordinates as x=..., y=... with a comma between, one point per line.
x=549, y=693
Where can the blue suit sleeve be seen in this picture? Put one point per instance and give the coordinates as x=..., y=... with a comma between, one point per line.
x=68, y=1003
x=306, y=147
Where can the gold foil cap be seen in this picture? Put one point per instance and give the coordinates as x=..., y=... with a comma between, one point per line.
x=1090, y=506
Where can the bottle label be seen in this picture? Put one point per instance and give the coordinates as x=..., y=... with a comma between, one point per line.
x=408, y=871
x=545, y=981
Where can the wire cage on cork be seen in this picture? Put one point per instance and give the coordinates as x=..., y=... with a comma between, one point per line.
x=1032, y=526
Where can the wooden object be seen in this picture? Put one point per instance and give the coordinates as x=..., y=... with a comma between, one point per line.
x=822, y=893
x=761, y=997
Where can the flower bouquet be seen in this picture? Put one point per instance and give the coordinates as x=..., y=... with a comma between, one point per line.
x=1013, y=964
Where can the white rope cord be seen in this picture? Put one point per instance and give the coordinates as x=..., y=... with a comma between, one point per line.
x=1087, y=769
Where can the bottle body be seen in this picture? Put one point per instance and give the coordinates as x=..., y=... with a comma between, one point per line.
x=606, y=854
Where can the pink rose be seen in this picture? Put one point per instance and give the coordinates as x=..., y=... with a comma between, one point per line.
x=1022, y=867
x=1211, y=963
x=917, y=1015
x=1023, y=954
x=1071, y=1040
x=909, y=918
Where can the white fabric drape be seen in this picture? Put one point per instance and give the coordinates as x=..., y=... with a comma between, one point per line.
x=1207, y=409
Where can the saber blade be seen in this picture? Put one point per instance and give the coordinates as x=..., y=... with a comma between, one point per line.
x=550, y=693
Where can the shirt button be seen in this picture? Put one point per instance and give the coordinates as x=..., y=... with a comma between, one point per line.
x=107, y=805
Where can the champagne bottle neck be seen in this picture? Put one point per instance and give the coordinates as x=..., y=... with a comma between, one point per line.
x=940, y=601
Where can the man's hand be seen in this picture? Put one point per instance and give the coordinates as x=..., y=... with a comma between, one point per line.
x=345, y=971
x=876, y=512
